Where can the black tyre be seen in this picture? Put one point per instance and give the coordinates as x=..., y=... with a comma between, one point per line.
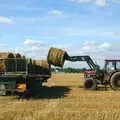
x=90, y=84
x=115, y=81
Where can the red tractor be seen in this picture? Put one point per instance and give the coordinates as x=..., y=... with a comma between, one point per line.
x=110, y=75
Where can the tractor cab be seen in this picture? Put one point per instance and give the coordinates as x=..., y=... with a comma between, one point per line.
x=112, y=66
x=110, y=75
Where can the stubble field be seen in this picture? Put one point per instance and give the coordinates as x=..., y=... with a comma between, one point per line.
x=64, y=98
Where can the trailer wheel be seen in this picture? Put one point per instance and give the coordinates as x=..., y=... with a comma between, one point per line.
x=90, y=84
x=115, y=81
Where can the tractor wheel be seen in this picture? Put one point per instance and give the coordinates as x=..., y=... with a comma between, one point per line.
x=115, y=81
x=90, y=84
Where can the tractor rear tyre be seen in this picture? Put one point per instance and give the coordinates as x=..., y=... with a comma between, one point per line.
x=90, y=84
x=115, y=81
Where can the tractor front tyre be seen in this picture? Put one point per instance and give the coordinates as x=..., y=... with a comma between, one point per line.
x=90, y=84
x=115, y=81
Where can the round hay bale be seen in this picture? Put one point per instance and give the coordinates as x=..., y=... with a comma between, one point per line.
x=34, y=67
x=44, y=64
x=29, y=61
x=18, y=55
x=18, y=62
x=3, y=55
x=2, y=65
x=23, y=63
x=43, y=67
x=24, y=57
x=10, y=55
x=56, y=57
x=10, y=63
x=33, y=62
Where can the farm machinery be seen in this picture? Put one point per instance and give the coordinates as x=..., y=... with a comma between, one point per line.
x=22, y=76
x=110, y=75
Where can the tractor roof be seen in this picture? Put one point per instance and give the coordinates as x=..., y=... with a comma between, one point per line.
x=111, y=60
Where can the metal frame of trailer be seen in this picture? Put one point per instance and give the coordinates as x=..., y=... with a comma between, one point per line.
x=10, y=81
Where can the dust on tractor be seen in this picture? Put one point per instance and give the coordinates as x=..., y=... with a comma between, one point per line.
x=109, y=75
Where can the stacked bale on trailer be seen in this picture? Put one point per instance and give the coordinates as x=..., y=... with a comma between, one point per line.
x=24, y=63
x=6, y=62
x=20, y=63
x=2, y=63
x=57, y=57
x=29, y=61
x=3, y=55
x=44, y=64
x=10, y=63
x=34, y=67
x=2, y=66
x=38, y=67
x=43, y=67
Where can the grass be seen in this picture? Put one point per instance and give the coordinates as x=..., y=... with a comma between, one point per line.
x=64, y=99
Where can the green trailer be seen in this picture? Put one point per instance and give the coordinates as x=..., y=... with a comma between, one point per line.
x=20, y=77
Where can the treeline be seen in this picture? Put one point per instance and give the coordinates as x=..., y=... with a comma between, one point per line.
x=69, y=70
x=73, y=70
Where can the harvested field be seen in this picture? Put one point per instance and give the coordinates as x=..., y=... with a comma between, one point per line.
x=64, y=99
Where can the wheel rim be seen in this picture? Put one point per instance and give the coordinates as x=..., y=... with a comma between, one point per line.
x=117, y=82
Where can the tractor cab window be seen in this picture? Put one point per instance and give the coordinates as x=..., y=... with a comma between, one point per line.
x=110, y=66
x=118, y=65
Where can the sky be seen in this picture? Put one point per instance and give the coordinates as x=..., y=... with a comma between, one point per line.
x=81, y=27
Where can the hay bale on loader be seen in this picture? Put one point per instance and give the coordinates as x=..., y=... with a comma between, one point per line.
x=57, y=57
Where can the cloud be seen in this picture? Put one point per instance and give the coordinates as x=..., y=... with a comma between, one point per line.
x=88, y=32
x=2, y=44
x=30, y=42
x=56, y=12
x=116, y=0
x=105, y=45
x=6, y=20
x=101, y=2
x=36, y=52
x=35, y=49
x=95, y=47
x=99, y=51
x=97, y=2
x=79, y=1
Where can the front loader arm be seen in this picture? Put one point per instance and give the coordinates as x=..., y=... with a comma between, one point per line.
x=87, y=59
